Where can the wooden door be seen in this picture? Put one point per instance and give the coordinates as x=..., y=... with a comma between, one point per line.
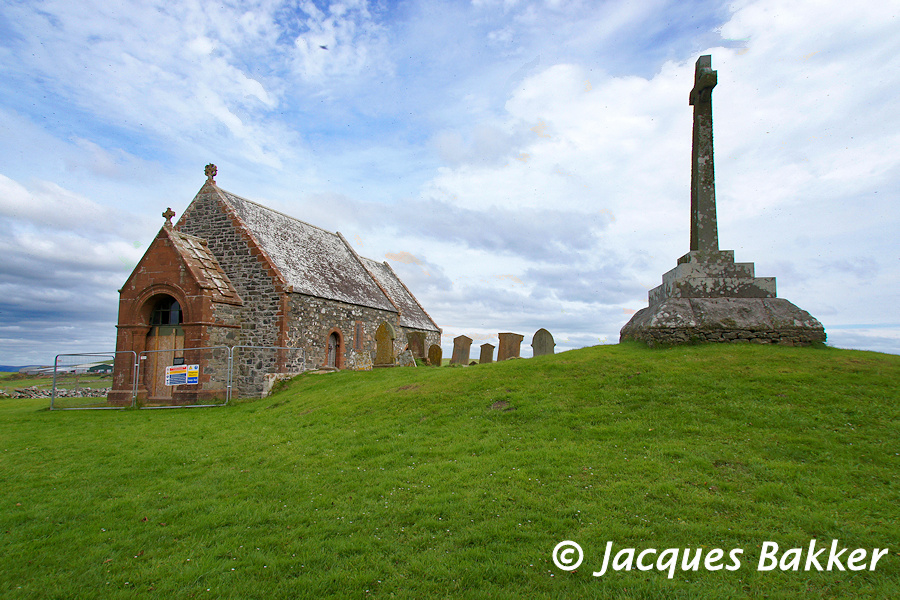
x=169, y=339
x=332, y=350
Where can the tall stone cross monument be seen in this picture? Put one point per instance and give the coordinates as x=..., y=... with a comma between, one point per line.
x=708, y=297
x=704, y=232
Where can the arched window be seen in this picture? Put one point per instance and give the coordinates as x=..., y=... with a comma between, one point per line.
x=166, y=312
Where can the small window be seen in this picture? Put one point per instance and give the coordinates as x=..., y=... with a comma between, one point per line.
x=166, y=312
x=359, y=339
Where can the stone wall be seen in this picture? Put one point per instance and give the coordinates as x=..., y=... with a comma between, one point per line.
x=313, y=320
x=226, y=333
x=677, y=336
x=260, y=317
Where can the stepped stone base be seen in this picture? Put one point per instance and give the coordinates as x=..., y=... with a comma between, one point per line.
x=758, y=320
x=712, y=275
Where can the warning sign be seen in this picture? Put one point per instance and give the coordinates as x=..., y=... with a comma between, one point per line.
x=183, y=375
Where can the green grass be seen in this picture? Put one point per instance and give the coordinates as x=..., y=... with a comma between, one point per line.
x=406, y=483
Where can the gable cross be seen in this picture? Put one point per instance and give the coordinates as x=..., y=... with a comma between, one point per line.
x=168, y=216
x=210, y=171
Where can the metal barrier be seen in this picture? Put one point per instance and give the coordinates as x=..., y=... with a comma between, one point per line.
x=169, y=377
x=88, y=367
x=166, y=375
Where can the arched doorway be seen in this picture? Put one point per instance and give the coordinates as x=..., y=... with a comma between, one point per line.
x=334, y=344
x=165, y=344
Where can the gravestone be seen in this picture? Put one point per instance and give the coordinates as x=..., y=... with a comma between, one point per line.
x=509, y=345
x=461, y=345
x=362, y=362
x=487, y=354
x=708, y=297
x=406, y=359
x=542, y=343
x=435, y=355
x=416, y=341
x=384, y=345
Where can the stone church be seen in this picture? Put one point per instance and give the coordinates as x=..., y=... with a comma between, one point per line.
x=232, y=272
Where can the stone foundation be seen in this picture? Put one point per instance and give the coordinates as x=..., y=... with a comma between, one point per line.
x=724, y=320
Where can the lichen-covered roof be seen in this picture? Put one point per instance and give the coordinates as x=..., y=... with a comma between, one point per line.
x=311, y=260
x=203, y=264
x=412, y=314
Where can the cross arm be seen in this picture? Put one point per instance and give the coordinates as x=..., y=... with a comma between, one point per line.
x=705, y=80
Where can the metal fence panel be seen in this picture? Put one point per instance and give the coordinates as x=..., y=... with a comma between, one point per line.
x=83, y=381
x=183, y=377
x=170, y=378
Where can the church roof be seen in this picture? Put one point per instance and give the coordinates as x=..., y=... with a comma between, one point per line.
x=203, y=264
x=412, y=314
x=311, y=260
x=316, y=262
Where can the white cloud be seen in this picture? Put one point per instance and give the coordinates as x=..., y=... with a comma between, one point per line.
x=64, y=257
x=338, y=43
x=132, y=72
x=51, y=208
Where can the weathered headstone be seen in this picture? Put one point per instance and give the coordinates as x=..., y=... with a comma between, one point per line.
x=487, y=354
x=416, y=341
x=362, y=362
x=435, y=355
x=461, y=345
x=509, y=345
x=708, y=297
x=542, y=343
x=384, y=345
x=406, y=359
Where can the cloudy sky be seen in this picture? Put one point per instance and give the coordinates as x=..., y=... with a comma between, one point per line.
x=521, y=164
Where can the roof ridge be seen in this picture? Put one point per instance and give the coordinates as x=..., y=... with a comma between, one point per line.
x=411, y=295
x=368, y=272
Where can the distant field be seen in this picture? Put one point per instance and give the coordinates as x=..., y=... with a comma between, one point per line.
x=459, y=482
x=10, y=381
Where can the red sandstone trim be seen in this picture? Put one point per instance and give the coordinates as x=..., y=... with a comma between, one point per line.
x=339, y=352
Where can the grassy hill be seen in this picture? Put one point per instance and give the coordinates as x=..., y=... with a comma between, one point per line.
x=459, y=482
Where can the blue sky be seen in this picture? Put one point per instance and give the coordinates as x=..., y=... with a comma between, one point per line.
x=520, y=164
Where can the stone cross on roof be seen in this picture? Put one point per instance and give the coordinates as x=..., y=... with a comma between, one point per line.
x=704, y=231
x=168, y=216
x=210, y=171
